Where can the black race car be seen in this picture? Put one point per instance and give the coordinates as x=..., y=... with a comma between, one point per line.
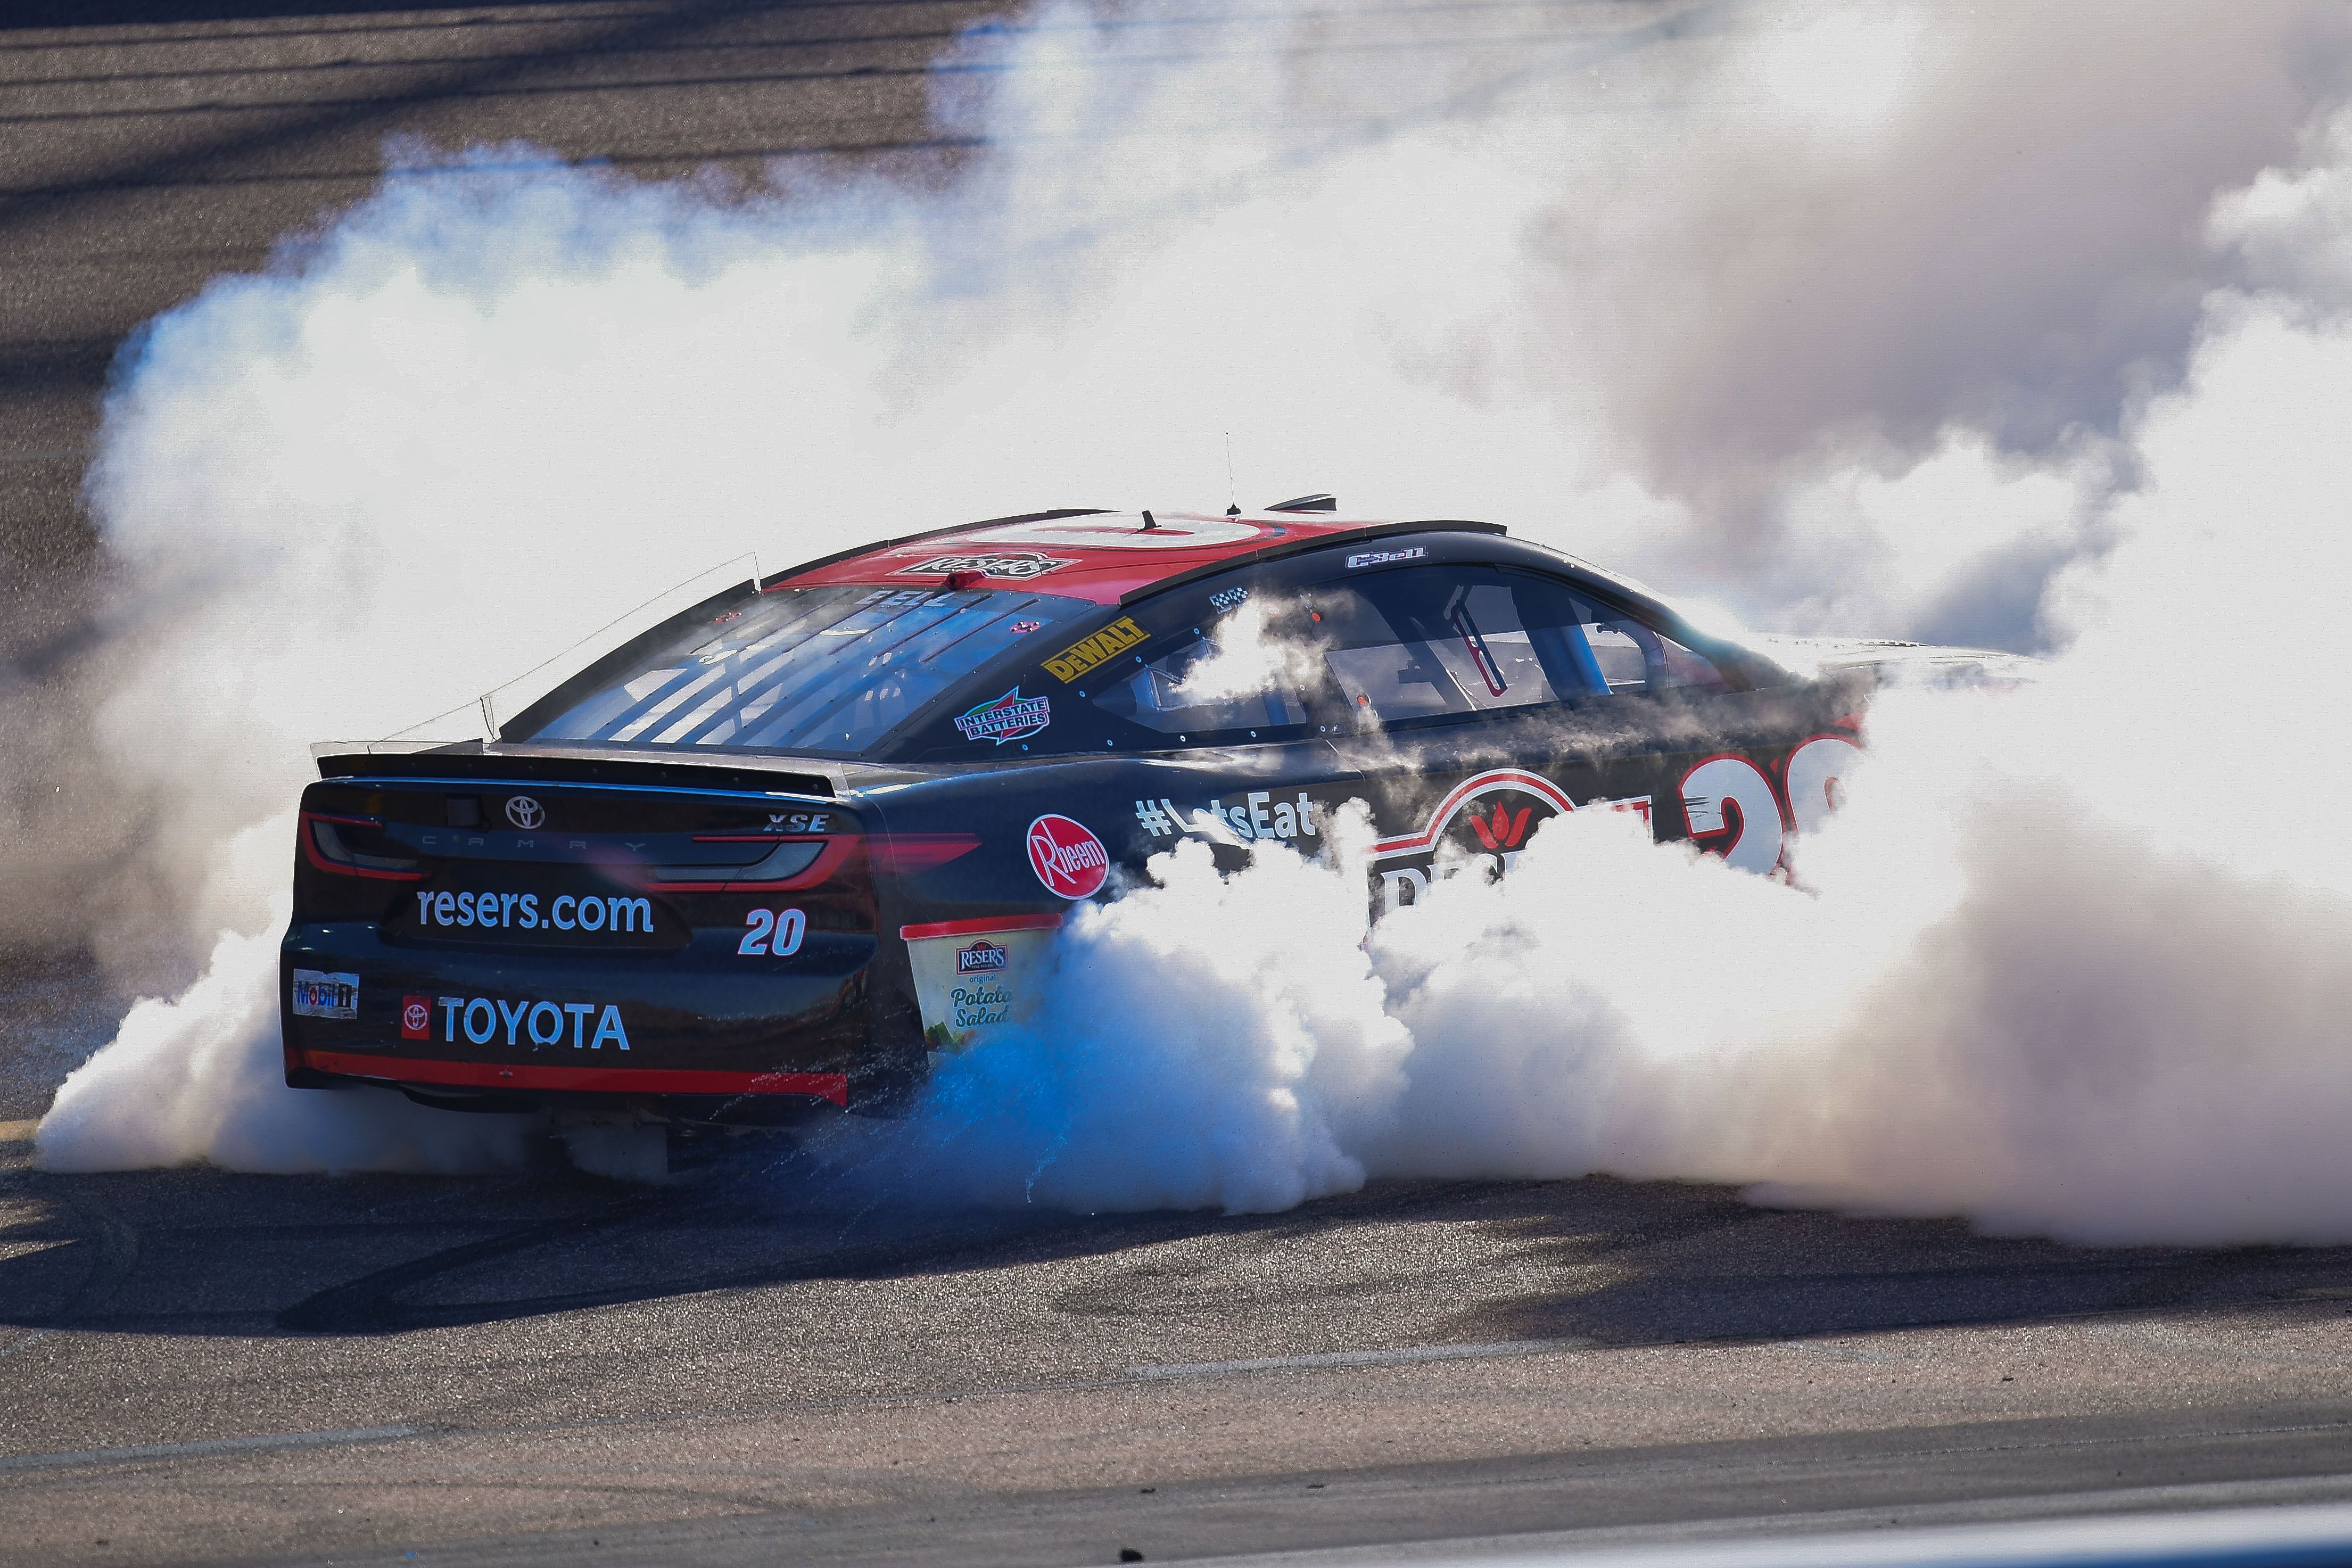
x=780, y=848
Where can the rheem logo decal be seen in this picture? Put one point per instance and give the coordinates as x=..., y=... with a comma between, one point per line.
x=1067, y=858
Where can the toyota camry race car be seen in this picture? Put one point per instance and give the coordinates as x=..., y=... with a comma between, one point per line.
x=775, y=851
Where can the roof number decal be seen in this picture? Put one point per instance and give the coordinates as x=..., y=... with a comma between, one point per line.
x=1124, y=530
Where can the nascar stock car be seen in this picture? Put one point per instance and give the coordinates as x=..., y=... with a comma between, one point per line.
x=774, y=851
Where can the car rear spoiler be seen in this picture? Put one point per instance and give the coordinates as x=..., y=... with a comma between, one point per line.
x=470, y=760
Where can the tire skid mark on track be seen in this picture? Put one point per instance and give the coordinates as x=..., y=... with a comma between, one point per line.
x=2183, y=1278
x=114, y=1244
x=1411, y=1355
x=206, y=1448
x=368, y=1304
x=364, y=1306
x=371, y=1303
x=477, y=78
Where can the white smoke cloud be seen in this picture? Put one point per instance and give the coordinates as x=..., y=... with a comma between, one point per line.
x=1898, y=349
x=2292, y=227
x=1211, y=1043
x=2075, y=959
x=1246, y=658
x=196, y=1080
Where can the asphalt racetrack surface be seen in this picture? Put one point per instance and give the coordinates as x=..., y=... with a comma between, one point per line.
x=200, y=1367
x=550, y=1368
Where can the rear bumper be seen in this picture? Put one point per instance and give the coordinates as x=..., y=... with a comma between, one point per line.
x=691, y=1034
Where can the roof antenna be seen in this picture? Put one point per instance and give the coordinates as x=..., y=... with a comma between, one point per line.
x=1233, y=496
x=1149, y=522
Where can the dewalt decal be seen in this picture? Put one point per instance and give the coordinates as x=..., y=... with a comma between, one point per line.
x=1100, y=649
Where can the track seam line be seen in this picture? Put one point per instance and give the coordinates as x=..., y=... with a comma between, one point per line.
x=205, y=1447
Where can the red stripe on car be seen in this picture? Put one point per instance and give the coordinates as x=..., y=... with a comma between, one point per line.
x=832, y=1086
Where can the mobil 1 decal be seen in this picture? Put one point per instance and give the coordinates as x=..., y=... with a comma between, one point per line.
x=1481, y=825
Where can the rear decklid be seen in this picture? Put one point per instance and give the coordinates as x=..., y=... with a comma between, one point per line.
x=467, y=929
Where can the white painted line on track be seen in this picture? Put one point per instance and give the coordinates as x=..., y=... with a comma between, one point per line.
x=1403, y=1357
x=2310, y=1536
x=209, y=1445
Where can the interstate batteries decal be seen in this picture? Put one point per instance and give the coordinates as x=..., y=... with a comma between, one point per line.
x=1011, y=717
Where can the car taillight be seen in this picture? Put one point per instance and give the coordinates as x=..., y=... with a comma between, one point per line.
x=324, y=846
x=797, y=863
x=792, y=864
x=786, y=862
x=910, y=852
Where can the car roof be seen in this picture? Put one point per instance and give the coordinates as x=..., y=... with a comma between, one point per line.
x=1101, y=556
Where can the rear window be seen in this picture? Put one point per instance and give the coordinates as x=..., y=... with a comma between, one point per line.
x=807, y=670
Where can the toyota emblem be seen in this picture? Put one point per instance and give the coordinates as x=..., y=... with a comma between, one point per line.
x=524, y=812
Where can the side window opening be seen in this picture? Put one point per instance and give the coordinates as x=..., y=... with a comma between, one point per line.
x=1239, y=673
x=1388, y=646
x=1424, y=642
x=1635, y=658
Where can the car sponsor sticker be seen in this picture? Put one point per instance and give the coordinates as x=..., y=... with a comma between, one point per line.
x=1386, y=557
x=1011, y=717
x=1260, y=813
x=980, y=1004
x=1480, y=828
x=1019, y=566
x=530, y=1021
x=524, y=812
x=326, y=995
x=1100, y=649
x=1067, y=858
x=598, y=915
x=416, y=1018
x=974, y=978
